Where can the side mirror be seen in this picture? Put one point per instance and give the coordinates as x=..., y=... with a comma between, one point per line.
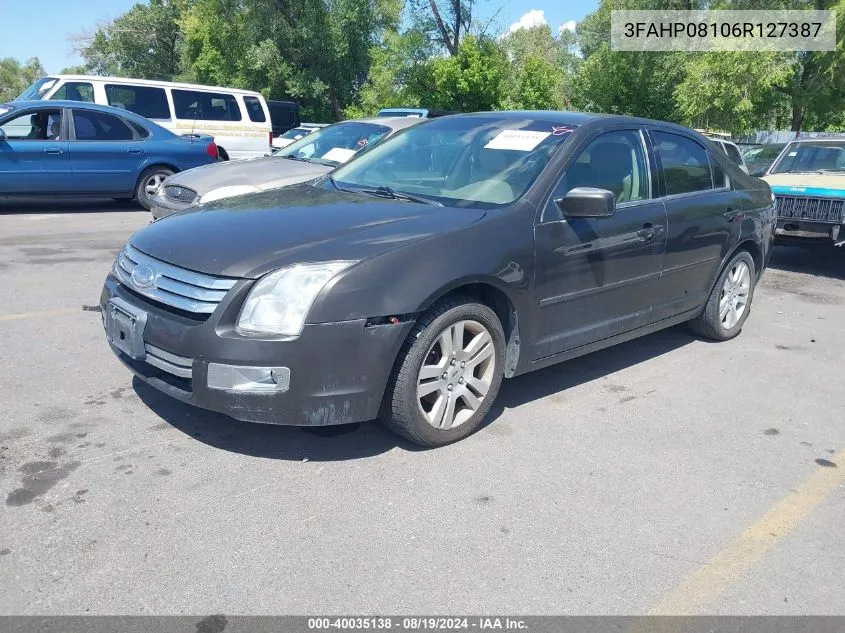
x=587, y=202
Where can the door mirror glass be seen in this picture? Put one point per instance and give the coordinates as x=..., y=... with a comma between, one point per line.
x=587, y=202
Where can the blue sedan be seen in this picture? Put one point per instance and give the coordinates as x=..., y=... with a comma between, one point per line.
x=68, y=147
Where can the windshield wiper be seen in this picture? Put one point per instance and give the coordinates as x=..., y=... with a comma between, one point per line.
x=393, y=194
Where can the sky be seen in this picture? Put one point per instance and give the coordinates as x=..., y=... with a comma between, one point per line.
x=49, y=38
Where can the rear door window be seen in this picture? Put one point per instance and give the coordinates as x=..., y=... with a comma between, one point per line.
x=74, y=91
x=148, y=101
x=205, y=106
x=99, y=126
x=254, y=109
x=685, y=164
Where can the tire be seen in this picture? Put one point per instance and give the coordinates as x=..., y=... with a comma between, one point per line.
x=453, y=407
x=143, y=190
x=712, y=323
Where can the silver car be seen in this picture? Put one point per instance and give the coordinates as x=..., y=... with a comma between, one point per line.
x=310, y=157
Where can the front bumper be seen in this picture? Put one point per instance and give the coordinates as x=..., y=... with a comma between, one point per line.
x=338, y=371
x=790, y=231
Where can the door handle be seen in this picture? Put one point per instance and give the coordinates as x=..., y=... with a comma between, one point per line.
x=53, y=150
x=134, y=150
x=649, y=232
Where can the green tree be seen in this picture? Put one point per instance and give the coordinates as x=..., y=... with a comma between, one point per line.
x=472, y=80
x=398, y=76
x=733, y=91
x=15, y=76
x=143, y=43
x=538, y=75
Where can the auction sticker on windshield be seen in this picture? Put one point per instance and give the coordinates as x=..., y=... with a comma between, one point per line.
x=339, y=154
x=520, y=140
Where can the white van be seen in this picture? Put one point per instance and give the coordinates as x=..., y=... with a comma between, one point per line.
x=239, y=120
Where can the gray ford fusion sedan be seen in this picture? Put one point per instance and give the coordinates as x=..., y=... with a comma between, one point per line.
x=308, y=158
x=408, y=283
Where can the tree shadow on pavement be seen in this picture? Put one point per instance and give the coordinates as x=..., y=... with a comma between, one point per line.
x=822, y=260
x=57, y=205
x=367, y=439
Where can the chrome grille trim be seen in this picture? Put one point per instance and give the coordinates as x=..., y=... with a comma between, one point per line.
x=813, y=209
x=171, y=363
x=179, y=193
x=183, y=289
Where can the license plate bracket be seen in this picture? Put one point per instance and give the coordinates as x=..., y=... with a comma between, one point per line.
x=125, y=325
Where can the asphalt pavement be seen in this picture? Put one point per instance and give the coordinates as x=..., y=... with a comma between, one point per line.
x=665, y=475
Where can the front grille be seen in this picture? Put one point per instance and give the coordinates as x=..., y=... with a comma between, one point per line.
x=813, y=209
x=185, y=290
x=180, y=194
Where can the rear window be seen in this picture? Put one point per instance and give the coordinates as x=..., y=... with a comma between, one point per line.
x=205, y=106
x=254, y=109
x=147, y=101
x=74, y=91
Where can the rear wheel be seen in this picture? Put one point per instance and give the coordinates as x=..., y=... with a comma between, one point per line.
x=149, y=183
x=448, y=374
x=729, y=303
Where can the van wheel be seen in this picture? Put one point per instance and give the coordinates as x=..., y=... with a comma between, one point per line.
x=222, y=154
x=149, y=183
x=729, y=303
x=447, y=375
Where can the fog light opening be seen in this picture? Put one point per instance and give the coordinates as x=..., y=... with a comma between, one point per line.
x=245, y=378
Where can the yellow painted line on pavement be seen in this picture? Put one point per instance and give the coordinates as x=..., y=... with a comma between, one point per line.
x=42, y=313
x=729, y=565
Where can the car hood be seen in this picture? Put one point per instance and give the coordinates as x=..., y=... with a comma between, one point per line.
x=267, y=172
x=810, y=184
x=248, y=236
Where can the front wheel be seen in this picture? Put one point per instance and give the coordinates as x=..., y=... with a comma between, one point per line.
x=729, y=303
x=149, y=183
x=447, y=375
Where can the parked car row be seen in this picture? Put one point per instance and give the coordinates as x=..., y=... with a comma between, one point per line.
x=407, y=283
x=313, y=155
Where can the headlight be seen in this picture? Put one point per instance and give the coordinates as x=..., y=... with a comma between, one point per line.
x=280, y=301
x=227, y=192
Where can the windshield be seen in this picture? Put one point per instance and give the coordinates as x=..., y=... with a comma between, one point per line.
x=812, y=157
x=335, y=144
x=468, y=161
x=37, y=90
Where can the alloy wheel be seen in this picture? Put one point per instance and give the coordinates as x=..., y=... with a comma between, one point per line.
x=733, y=300
x=456, y=374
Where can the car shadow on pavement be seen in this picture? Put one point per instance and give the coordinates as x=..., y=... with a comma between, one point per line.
x=558, y=378
x=17, y=206
x=355, y=441
x=328, y=443
x=824, y=261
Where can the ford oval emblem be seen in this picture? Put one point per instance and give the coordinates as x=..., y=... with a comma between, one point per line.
x=143, y=276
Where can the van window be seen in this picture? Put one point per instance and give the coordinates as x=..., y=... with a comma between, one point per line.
x=205, y=106
x=254, y=109
x=147, y=101
x=686, y=167
x=99, y=126
x=74, y=91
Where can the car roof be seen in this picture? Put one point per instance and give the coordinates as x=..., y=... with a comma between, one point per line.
x=41, y=103
x=152, y=82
